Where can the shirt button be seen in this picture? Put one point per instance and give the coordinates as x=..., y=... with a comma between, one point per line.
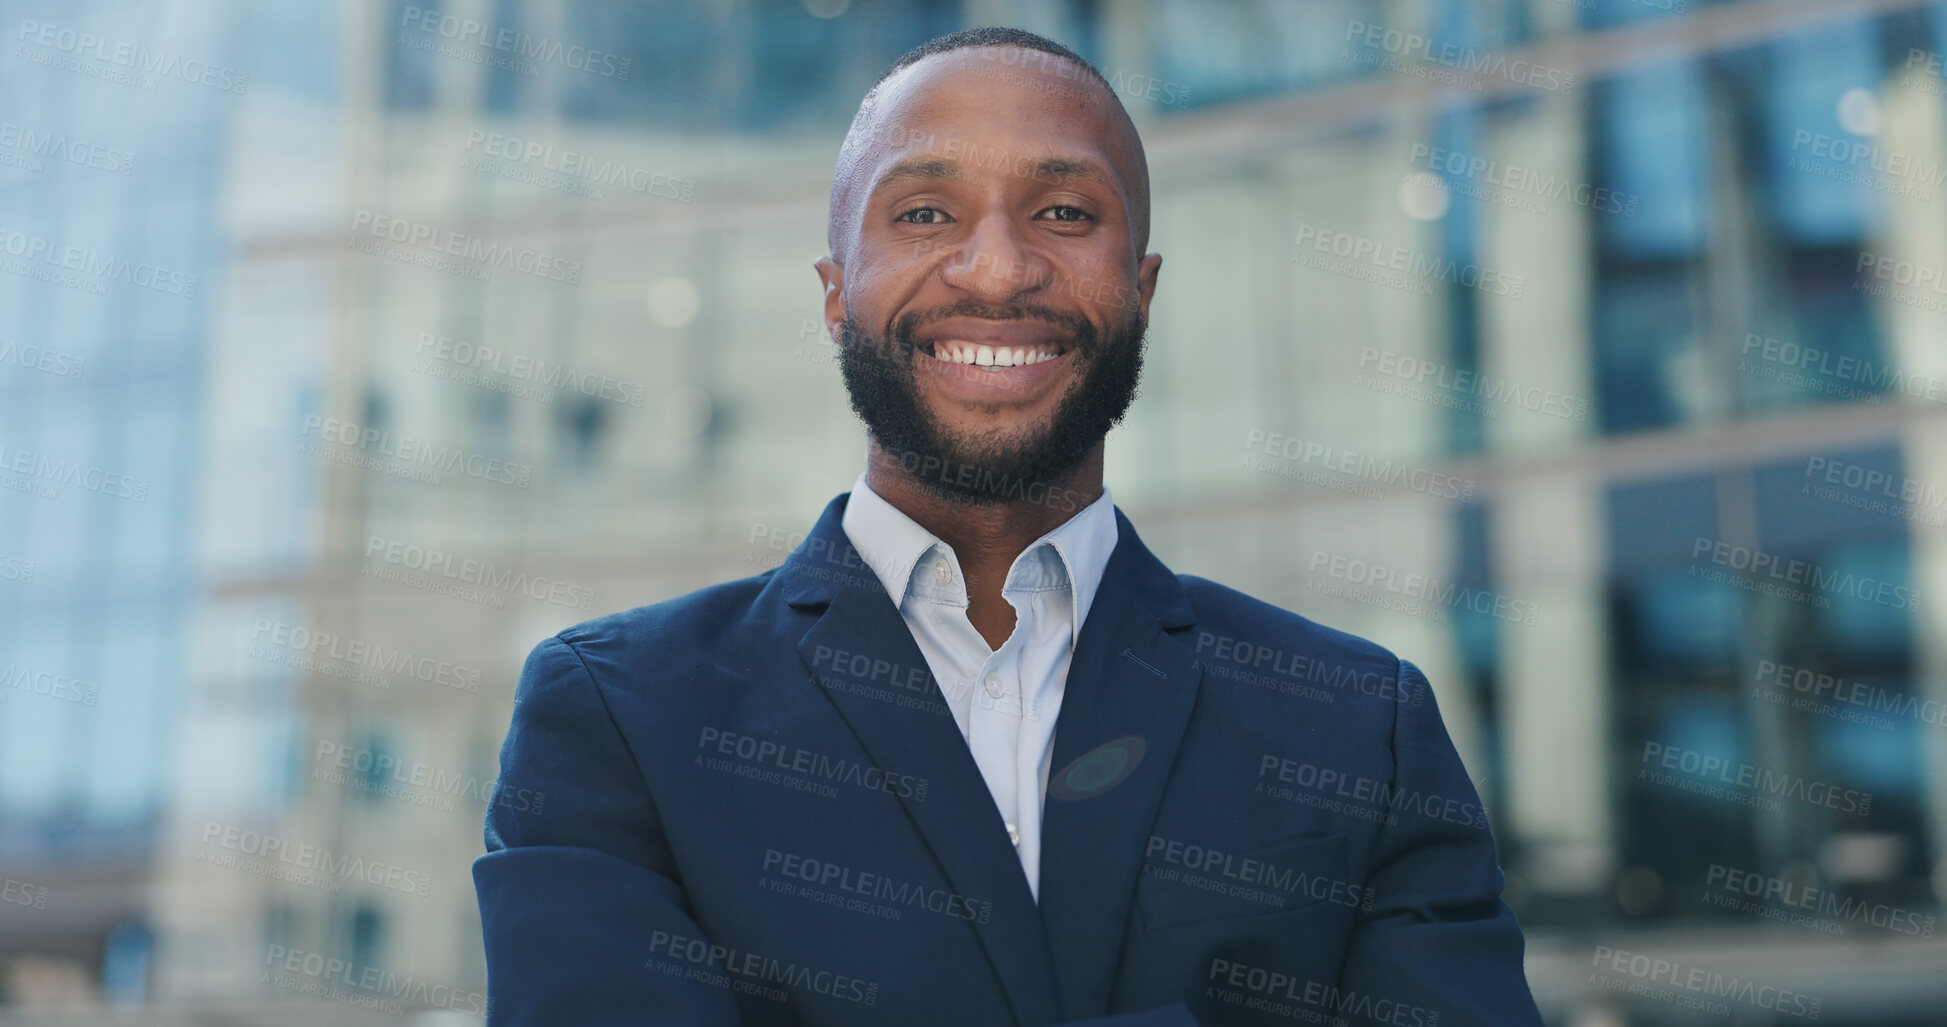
x=994, y=685
x=1013, y=834
x=941, y=572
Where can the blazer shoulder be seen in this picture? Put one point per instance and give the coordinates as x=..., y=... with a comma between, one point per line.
x=1227, y=617
x=673, y=630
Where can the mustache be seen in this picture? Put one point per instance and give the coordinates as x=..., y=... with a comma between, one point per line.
x=1082, y=331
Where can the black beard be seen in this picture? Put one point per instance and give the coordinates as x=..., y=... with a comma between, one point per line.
x=880, y=380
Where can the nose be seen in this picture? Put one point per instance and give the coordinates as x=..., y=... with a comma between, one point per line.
x=995, y=260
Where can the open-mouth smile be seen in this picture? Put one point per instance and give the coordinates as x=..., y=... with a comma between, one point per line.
x=978, y=354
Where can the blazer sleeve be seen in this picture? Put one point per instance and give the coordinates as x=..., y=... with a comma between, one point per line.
x=573, y=896
x=1437, y=946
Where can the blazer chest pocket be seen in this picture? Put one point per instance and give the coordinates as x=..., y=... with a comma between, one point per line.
x=1193, y=884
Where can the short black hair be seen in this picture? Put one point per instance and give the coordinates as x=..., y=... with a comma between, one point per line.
x=992, y=35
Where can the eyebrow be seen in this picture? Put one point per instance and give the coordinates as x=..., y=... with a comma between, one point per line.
x=1044, y=169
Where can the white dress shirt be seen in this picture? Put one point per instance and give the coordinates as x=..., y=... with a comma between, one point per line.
x=1005, y=700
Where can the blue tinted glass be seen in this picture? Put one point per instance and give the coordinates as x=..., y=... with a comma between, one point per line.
x=1818, y=500
x=1880, y=758
x=1653, y=146
x=1660, y=522
x=1812, y=155
x=1873, y=600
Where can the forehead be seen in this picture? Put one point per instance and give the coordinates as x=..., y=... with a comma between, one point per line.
x=994, y=109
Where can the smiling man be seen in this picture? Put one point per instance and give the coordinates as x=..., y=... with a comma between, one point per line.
x=972, y=754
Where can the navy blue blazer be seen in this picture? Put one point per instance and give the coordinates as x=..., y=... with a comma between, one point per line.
x=750, y=805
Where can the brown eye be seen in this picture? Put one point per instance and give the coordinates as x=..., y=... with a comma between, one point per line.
x=923, y=216
x=1066, y=213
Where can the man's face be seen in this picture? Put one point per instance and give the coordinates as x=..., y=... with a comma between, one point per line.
x=990, y=307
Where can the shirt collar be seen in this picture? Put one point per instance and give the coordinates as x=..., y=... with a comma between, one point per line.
x=893, y=544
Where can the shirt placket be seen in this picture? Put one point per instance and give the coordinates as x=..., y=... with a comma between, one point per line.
x=994, y=733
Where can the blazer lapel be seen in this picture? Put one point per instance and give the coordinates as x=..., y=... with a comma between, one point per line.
x=956, y=817
x=1130, y=689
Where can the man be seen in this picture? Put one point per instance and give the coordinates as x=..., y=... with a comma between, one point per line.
x=972, y=755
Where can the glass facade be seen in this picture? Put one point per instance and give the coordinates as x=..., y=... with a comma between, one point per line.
x=1616, y=326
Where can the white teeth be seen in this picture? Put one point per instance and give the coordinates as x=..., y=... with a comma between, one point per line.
x=958, y=352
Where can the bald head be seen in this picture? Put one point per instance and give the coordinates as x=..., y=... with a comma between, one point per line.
x=939, y=104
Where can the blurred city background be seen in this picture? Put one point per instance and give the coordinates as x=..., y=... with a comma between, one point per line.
x=1590, y=354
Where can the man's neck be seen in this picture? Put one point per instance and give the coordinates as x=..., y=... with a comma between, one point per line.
x=987, y=538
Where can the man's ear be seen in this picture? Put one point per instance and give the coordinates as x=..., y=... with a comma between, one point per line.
x=1146, y=271
x=833, y=279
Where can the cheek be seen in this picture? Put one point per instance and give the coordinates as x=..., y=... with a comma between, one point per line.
x=1105, y=289
x=878, y=286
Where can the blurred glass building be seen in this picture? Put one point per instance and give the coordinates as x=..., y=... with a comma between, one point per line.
x=1591, y=354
